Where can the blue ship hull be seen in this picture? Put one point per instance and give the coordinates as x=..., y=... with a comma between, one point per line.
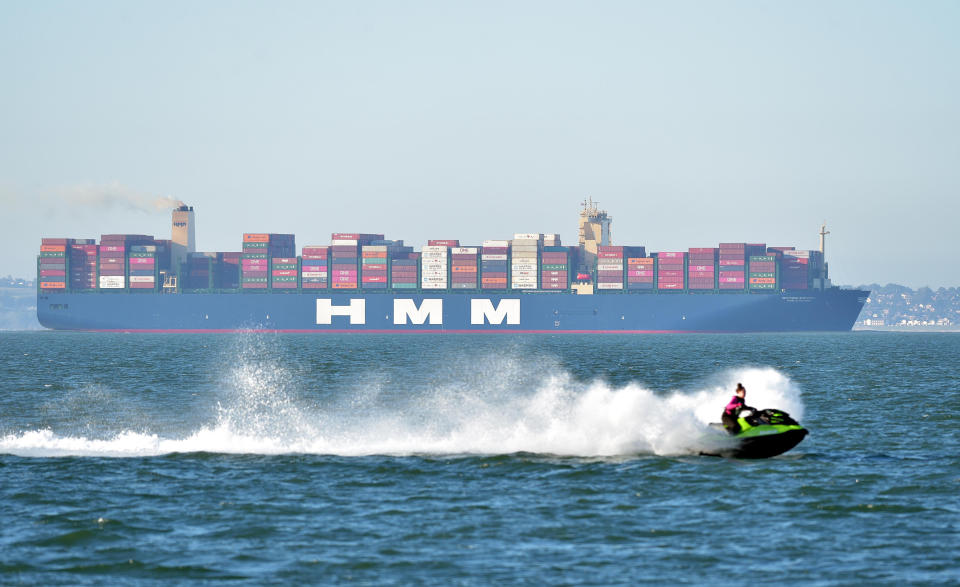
x=789, y=311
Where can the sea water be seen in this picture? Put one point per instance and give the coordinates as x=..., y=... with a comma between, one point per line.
x=474, y=459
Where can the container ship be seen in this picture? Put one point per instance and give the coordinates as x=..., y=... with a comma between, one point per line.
x=363, y=282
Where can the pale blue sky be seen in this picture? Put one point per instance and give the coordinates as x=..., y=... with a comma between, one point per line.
x=692, y=123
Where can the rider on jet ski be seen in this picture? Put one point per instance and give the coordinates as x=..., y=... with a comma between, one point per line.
x=733, y=409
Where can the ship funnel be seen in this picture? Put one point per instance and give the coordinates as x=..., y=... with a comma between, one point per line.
x=182, y=235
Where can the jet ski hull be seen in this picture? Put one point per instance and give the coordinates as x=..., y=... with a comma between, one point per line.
x=763, y=435
x=761, y=446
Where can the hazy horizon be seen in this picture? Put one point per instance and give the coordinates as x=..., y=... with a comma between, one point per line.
x=690, y=123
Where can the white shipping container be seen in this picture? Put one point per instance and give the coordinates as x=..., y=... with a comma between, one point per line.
x=141, y=279
x=524, y=248
x=493, y=257
x=496, y=243
x=524, y=267
x=434, y=249
x=375, y=248
x=618, y=285
x=313, y=274
x=610, y=267
x=344, y=242
x=111, y=282
x=532, y=236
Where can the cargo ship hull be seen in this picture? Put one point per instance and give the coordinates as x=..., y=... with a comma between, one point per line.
x=541, y=312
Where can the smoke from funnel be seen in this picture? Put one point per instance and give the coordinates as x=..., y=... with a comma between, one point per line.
x=115, y=195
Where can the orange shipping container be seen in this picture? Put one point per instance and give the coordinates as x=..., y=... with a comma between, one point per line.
x=52, y=285
x=52, y=248
x=763, y=280
x=250, y=237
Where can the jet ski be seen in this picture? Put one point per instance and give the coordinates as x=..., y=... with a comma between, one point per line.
x=763, y=434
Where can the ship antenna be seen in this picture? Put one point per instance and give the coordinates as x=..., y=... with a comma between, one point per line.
x=823, y=238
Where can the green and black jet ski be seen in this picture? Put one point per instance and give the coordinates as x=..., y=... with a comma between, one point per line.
x=763, y=434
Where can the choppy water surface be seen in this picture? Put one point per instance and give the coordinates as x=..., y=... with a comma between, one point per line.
x=473, y=459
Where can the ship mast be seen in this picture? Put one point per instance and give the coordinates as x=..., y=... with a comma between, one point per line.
x=824, y=272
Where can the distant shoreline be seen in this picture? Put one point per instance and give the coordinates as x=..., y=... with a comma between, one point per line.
x=859, y=328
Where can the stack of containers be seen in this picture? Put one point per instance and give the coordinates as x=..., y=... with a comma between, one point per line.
x=344, y=260
x=732, y=269
x=798, y=268
x=670, y=270
x=493, y=264
x=554, y=265
x=83, y=265
x=551, y=240
x=373, y=267
x=640, y=273
x=403, y=270
x=227, y=270
x=433, y=269
x=463, y=267
x=163, y=255
x=198, y=271
x=284, y=272
x=258, y=250
x=142, y=267
x=702, y=268
x=314, y=271
x=52, y=267
x=610, y=267
x=255, y=261
x=762, y=272
x=113, y=255
x=524, y=251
